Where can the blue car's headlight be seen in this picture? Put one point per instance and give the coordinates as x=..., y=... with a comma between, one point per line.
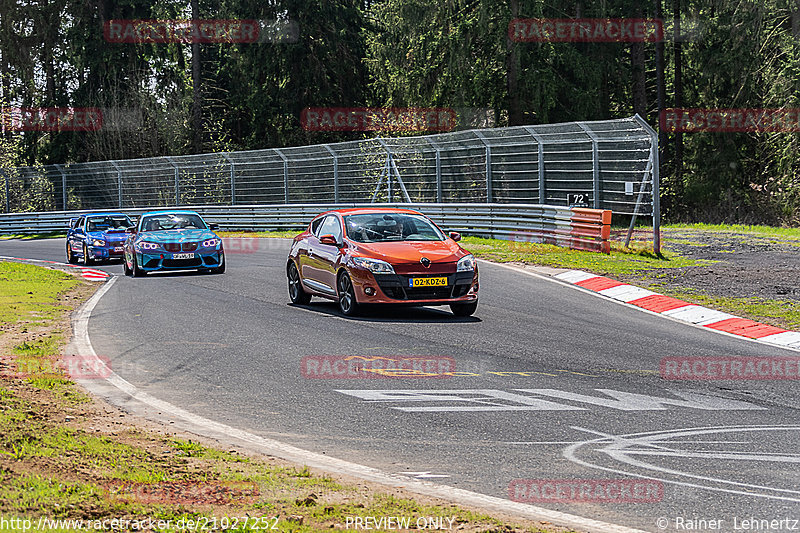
x=98, y=242
x=210, y=243
x=144, y=245
x=466, y=264
x=376, y=266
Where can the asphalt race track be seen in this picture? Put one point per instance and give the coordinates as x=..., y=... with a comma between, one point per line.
x=586, y=402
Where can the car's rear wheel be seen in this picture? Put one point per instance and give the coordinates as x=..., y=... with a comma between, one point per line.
x=347, y=296
x=137, y=272
x=296, y=292
x=70, y=256
x=87, y=259
x=464, y=309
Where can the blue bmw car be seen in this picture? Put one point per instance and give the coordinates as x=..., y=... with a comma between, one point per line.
x=97, y=237
x=173, y=240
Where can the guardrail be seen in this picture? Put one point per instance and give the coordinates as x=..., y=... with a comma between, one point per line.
x=579, y=228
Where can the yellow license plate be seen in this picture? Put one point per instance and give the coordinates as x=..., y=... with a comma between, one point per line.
x=427, y=282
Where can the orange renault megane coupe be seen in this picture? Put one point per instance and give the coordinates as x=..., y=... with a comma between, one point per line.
x=381, y=256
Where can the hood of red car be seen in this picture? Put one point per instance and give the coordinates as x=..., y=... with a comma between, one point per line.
x=410, y=252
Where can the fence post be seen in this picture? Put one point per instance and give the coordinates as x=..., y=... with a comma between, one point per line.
x=335, y=173
x=656, y=182
x=8, y=190
x=119, y=184
x=595, y=165
x=177, y=181
x=489, y=188
x=60, y=168
x=233, y=178
x=439, y=194
x=539, y=164
x=285, y=175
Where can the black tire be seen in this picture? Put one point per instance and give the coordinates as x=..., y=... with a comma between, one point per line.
x=125, y=265
x=70, y=256
x=221, y=268
x=464, y=309
x=86, y=259
x=137, y=272
x=296, y=293
x=347, y=296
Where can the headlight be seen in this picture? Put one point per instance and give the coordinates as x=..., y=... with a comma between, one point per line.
x=376, y=266
x=98, y=242
x=210, y=243
x=148, y=245
x=466, y=263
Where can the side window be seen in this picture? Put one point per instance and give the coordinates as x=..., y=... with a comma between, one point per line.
x=315, y=225
x=79, y=223
x=331, y=226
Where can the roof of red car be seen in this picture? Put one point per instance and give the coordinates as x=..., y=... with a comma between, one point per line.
x=360, y=210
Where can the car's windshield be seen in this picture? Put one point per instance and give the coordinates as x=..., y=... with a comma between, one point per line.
x=105, y=223
x=172, y=221
x=381, y=227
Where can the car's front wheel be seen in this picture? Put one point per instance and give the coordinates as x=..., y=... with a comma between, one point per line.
x=87, y=259
x=464, y=309
x=221, y=268
x=296, y=292
x=347, y=295
x=137, y=272
x=70, y=256
x=125, y=265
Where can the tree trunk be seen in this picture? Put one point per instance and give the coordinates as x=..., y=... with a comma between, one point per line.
x=197, y=109
x=677, y=52
x=515, y=116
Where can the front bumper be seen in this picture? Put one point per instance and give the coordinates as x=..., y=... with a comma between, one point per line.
x=110, y=251
x=462, y=287
x=153, y=261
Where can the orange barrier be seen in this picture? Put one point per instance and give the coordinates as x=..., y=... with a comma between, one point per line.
x=590, y=229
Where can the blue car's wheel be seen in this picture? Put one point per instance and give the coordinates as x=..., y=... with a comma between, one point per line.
x=87, y=259
x=70, y=256
x=137, y=272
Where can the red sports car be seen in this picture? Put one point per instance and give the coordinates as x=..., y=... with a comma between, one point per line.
x=381, y=256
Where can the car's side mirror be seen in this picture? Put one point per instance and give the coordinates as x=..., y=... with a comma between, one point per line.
x=72, y=222
x=130, y=230
x=328, y=239
x=213, y=227
x=456, y=236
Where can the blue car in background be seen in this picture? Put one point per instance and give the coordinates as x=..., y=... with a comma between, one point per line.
x=97, y=237
x=173, y=240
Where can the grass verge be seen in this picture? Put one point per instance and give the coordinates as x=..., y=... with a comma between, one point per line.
x=65, y=456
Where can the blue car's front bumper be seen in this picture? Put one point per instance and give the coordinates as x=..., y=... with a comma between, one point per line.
x=112, y=250
x=152, y=261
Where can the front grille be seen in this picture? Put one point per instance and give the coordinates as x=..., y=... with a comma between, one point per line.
x=397, y=287
x=187, y=263
x=172, y=247
x=189, y=246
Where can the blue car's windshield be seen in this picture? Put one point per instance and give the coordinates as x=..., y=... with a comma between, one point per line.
x=172, y=221
x=381, y=227
x=105, y=223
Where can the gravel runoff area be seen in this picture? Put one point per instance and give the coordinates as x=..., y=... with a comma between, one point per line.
x=739, y=265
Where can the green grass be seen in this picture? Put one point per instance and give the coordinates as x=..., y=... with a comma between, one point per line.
x=32, y=236
x=30, y=293
x=621, y=261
